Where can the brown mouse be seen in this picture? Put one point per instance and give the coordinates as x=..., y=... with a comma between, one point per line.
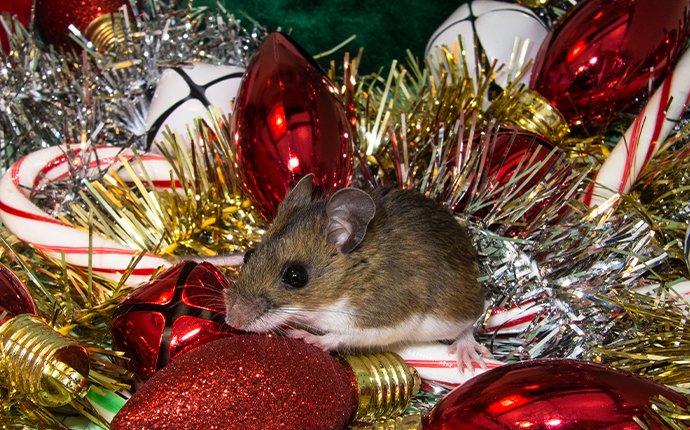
x=362, y=270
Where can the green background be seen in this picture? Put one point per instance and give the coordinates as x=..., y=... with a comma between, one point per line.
x=386, y=29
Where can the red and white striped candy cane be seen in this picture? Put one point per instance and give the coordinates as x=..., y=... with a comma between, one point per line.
x=436, y=365
x=53, y=237
x=641, y=141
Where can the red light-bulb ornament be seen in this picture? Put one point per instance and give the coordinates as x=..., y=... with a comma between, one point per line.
x=599, y=59
x=175, y=312
x=51, y=369
x=548, y=394
x=289, y=121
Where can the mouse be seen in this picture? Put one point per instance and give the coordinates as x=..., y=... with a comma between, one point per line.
x=361, y=271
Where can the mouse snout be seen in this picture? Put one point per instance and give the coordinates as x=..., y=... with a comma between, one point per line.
x=241, y=312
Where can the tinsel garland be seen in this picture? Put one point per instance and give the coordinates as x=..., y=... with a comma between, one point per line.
x=601, y=280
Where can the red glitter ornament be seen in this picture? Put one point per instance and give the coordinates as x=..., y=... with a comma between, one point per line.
x=548, y=394
x=245, y=382
x=19, y=8
x=604, y=54
x=174, y=313
x=53, y=18
x=289, y=122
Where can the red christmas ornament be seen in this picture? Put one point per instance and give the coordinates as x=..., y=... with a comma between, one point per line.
x=245, y=382
x=548, y=394
x=53, y=18
x=15, y=299
x=289, y=122
x=177, y=311
x=515, y=151
x=510, y=155
x=19, y=8
x=604, y=54
x=48, y=368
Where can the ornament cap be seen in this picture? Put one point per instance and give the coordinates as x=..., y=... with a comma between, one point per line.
x=50, y=368
x=530, y=111
x=106, y=32
x=385, y=384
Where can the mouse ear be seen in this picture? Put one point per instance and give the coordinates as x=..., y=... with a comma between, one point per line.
x=349, y=211
x=299, y=196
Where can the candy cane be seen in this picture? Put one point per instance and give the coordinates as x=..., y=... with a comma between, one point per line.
x=435, y=364
x=52, y=236
x=633, y=152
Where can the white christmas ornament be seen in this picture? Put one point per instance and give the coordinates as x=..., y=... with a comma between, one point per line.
x=508, y=33
x=185, y=93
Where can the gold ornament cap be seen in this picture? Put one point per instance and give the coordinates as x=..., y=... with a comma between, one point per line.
x=532, y=3
x=385, y=385
x=527, y=110
x=35, y=360
x=106, y=32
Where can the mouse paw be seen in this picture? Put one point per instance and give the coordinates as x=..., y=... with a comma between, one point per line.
x=470, y=354
x=325, y=342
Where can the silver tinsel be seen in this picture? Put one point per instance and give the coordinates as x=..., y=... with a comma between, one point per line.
x=51, y=97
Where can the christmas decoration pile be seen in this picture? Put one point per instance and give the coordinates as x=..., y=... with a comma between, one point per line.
x=138, y=138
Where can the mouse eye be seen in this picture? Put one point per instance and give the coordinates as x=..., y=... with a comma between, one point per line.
x=294, y=275
x=247, y=255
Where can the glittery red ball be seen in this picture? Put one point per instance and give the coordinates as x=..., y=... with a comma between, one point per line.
x=19, y=8
x=245, y=382
x=54, y=17
x=178, y=310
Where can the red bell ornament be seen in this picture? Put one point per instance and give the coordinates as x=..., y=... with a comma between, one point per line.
x=599, y=59
x=289, y=121
x=175, y=312
x=548, y=394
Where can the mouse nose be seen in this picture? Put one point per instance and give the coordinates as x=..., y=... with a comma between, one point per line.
x=242, y=311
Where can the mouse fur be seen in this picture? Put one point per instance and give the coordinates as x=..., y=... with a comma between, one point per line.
x=384, y=267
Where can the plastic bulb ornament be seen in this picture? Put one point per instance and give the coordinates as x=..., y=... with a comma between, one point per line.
x=605, y=54
x=548, y=394
x=288, y=122
x=599, y=59
x=35, y=360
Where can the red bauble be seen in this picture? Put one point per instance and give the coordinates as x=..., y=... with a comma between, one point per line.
x=548, y=394
x=53, y=18
x=604, y=53
x=19, y=8
x=174, y=313
x=289, y=122
x=15, y=299
x=513, y=152
x=245, y=382
x=511, y=157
